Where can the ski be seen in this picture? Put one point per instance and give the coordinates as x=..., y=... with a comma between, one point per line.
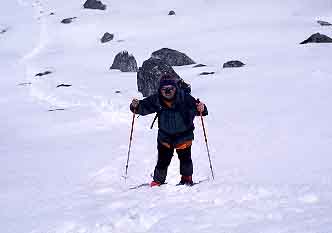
x=148, y=184
x=140, y=186
x=195, y=183
x=144, y=185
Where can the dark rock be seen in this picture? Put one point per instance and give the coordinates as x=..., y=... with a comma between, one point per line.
x=149, y=74
x=24, y=84
x=94, y=4
x=64, y=85
x=324, y=23
x=206, y=73
x=52, y=13
x=124, y=62
x=317, y=38
x=233, y=64
x=198, y=65
x=117, y=92
x=56, y=109
x=44, y=73
x=107, y=37
x=2, y=31
x=172, y=57
x=171, y=13
x=68, y=20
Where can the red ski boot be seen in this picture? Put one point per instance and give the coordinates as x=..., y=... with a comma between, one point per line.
x=154, y=183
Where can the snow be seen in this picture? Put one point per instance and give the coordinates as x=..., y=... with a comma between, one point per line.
x=269, y=127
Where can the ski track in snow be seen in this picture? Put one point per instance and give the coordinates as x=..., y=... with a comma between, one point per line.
x=103, y=202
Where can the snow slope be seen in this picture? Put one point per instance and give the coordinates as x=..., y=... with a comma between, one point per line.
x=268, y=127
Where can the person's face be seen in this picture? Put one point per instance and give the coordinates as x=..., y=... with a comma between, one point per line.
x=168, y=91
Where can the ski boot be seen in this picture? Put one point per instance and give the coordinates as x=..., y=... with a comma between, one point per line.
x=186, y=180
x=155, y=183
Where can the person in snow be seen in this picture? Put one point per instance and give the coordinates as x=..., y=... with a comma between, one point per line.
x=176, y=111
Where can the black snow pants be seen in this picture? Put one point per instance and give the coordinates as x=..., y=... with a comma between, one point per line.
x=165, y=155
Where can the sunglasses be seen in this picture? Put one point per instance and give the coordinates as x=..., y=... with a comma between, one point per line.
x=167, y=89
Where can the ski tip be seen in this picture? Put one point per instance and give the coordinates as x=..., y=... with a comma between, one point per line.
x=140, y=186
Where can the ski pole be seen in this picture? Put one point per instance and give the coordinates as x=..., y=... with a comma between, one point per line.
x=206, y=142
x=130, y=140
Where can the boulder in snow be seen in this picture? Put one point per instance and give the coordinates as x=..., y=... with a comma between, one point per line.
x=324, y=23
x=124, y=62
x=317, y=38
x=64, y=85
x=172, y=57
x=171, y=12
x=56, y=109
x=4, y=30
x=149, y=74
x=68, y=20
x=107, y=37
x=198, y=65
x=233, y=64
x=94, y=4
x=206, y=73
x=43, y=73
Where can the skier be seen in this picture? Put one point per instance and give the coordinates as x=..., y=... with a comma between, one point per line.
x=176, y=110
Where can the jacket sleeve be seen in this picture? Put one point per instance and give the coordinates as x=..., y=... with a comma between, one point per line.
x=193, y=102
x=147, y=105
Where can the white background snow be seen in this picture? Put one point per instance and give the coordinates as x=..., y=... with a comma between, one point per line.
x=269, y=125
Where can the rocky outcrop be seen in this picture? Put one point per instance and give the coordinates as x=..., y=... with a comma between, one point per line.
x=317, y=38
x=56, y=109
x=43, y=73
x=199, y=65
x=107, y=37
x=2, y=31
x=233, y=64
x=172, y=57
x=94, y=4
x=124, y=62
x=149, y=74
x=68, y=20
x=324, y=23
x=206, y=73
x=63, y=85
x=171, y=12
